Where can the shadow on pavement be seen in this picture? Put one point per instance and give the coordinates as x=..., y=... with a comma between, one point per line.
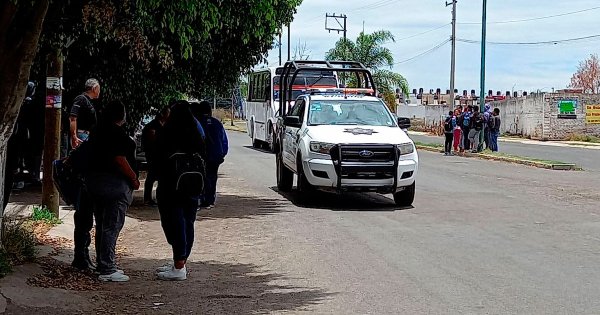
x=211, y=288
x=228, y=206
x=261, y=150
x=341, y=202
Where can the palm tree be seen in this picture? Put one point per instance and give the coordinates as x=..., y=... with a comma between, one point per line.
x=368, y=50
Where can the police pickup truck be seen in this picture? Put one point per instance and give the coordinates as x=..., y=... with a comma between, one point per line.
x=346, y=140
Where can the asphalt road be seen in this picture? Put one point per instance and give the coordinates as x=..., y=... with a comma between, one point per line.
x=588, y=159
x=483, y=237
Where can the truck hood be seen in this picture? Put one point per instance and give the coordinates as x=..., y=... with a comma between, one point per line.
x=357, y=134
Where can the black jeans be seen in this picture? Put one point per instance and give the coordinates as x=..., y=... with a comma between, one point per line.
x=84, y=221
x=177, y=217
x=448, y=143
x=111, y=195
x=210, y=188
x=466, y=141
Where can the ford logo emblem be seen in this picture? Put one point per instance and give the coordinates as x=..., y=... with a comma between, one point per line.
x=366, y=153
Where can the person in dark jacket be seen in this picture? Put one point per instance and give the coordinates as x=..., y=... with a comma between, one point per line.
x=217, y=147
x=110, y=182
x=182, y=133
x=149, y=134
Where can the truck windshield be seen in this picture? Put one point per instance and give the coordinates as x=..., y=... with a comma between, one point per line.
x=302, y=83
x=349, y=112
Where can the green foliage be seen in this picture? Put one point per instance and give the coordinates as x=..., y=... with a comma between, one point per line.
x=369, y=50
x=583, y=138
x=5, y=266
x=43, y=214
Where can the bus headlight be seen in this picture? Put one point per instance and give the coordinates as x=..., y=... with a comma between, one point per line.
x=406, y=148
x=320, y=147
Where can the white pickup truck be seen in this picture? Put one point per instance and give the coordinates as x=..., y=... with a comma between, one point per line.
x=346, y=143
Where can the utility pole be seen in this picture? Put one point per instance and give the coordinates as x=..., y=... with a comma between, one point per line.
x=54, y=77
x=341, y=27
x=483, y=44
x=453, y=58
x=289, y=42
x=280, y=47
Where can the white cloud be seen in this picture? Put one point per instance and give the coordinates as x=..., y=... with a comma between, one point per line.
x=529, y=67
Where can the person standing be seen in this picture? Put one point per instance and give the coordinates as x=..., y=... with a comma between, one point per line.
x=182, y=134
x=149, y=134
x=217, y=146
x=449, y=125
x=466, y=128
x=456, y=131
x=475, y=129
x=83, y=118
x=110, y=183
x=487, y=120
x=495, y=133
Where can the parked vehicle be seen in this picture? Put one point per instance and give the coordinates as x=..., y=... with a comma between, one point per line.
x=345, y=140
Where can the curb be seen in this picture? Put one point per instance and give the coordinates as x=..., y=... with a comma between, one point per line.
x=549, y=166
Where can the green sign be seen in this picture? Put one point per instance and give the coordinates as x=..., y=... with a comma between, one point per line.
x=567, y=109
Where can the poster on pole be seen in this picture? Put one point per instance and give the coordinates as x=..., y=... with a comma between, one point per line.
x=567, y=109
x=592, y=114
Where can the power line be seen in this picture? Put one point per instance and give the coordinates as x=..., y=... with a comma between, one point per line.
x=440, y=45
x=423, y=33
x=550, y=42
x=533, y=19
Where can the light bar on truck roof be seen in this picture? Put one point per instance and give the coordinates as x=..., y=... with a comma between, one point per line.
x=345, y=91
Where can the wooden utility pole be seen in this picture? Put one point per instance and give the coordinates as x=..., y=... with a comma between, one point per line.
x=50, y=196
x=453, y=58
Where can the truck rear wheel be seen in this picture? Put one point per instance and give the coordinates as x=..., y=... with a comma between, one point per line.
x=285, y=177
x=405, y=197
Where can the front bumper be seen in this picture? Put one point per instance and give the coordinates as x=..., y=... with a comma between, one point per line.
x=326, y=173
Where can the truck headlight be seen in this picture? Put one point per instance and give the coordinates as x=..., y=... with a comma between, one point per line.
x=406, y=148
x=320, y=147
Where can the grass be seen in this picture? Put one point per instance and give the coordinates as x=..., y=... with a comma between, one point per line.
x=5, y=266
x=524, y=158
x=18, y=241
x=583, y=138
x=431, y=145
x=44, y=215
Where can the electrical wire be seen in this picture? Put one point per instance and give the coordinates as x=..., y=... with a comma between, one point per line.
x=532, y=19
x=440, y=45
x=550, y=42
x=423, y=33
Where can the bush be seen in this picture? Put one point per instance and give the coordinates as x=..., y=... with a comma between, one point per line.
x=19, y=243
x=583, y=138
x=4, y=263
x=43, y=214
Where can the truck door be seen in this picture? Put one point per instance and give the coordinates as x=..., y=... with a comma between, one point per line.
x=292, y=135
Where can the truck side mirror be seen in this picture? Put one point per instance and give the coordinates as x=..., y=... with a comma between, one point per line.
x=403, y=122
x=292, y=121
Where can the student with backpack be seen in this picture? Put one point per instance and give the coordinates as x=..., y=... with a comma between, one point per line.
x=217, y=147
x=466, y=128
x=449, y=124
x=475, y=129
x=495, y=131
x=180, y=168
x=487, y=120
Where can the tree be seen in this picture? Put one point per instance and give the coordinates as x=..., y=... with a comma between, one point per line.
x=143, y=51
x=368, y=50
x=301, y=52
x=587, y=76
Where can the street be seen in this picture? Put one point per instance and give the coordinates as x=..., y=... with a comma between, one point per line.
x=483, y=237
x=586, y=158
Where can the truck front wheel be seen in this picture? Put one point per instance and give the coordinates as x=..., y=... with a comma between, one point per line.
x=285, y=177
x=405, y=197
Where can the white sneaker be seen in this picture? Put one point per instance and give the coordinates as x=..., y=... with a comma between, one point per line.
x=173, y=274
x=164, y=268
x=114, y=277
x=118, y=270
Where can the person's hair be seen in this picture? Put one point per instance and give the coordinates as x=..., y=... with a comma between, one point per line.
x=164, y=112
x=205, y=108
x=497, y=111
x=476, y=108
x=114, y=112
x=450, y=113
x=181, y=129
x=90, y=84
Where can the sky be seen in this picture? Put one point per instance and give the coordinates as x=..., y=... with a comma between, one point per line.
x=509, y=67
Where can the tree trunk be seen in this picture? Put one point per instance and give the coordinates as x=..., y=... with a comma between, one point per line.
x=20, y=28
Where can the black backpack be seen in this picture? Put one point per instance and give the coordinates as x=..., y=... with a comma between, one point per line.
x=478, y=123
x=189, y=173
x=68, y=173
x=448, y=124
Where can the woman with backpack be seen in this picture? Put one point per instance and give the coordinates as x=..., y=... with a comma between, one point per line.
x=180, y=169
x=449, y=124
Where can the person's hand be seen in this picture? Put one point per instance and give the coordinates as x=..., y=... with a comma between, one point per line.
x=75, y=142
x=135, y=184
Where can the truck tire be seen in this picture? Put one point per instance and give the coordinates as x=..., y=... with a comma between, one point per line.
x=303, y=185
x=271, y=144
x=285, y=177
x=255, y=143
x=406, y=197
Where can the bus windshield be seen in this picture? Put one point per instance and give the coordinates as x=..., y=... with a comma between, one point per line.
x=302, y=83
x=349, y=112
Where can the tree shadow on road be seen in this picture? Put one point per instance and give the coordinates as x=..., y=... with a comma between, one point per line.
x=341, y=202
x=228, y=206
x=211, y=288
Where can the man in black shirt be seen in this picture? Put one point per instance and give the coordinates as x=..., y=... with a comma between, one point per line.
x=82, y=120
x=83, y=116
x=149, y=143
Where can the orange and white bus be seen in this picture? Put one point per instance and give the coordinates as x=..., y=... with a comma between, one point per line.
x=262, y=106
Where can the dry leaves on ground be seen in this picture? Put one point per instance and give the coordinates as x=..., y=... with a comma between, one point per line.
x=60, y=275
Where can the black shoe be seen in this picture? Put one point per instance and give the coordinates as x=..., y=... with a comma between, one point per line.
x=150, y=203
x=83, y=264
